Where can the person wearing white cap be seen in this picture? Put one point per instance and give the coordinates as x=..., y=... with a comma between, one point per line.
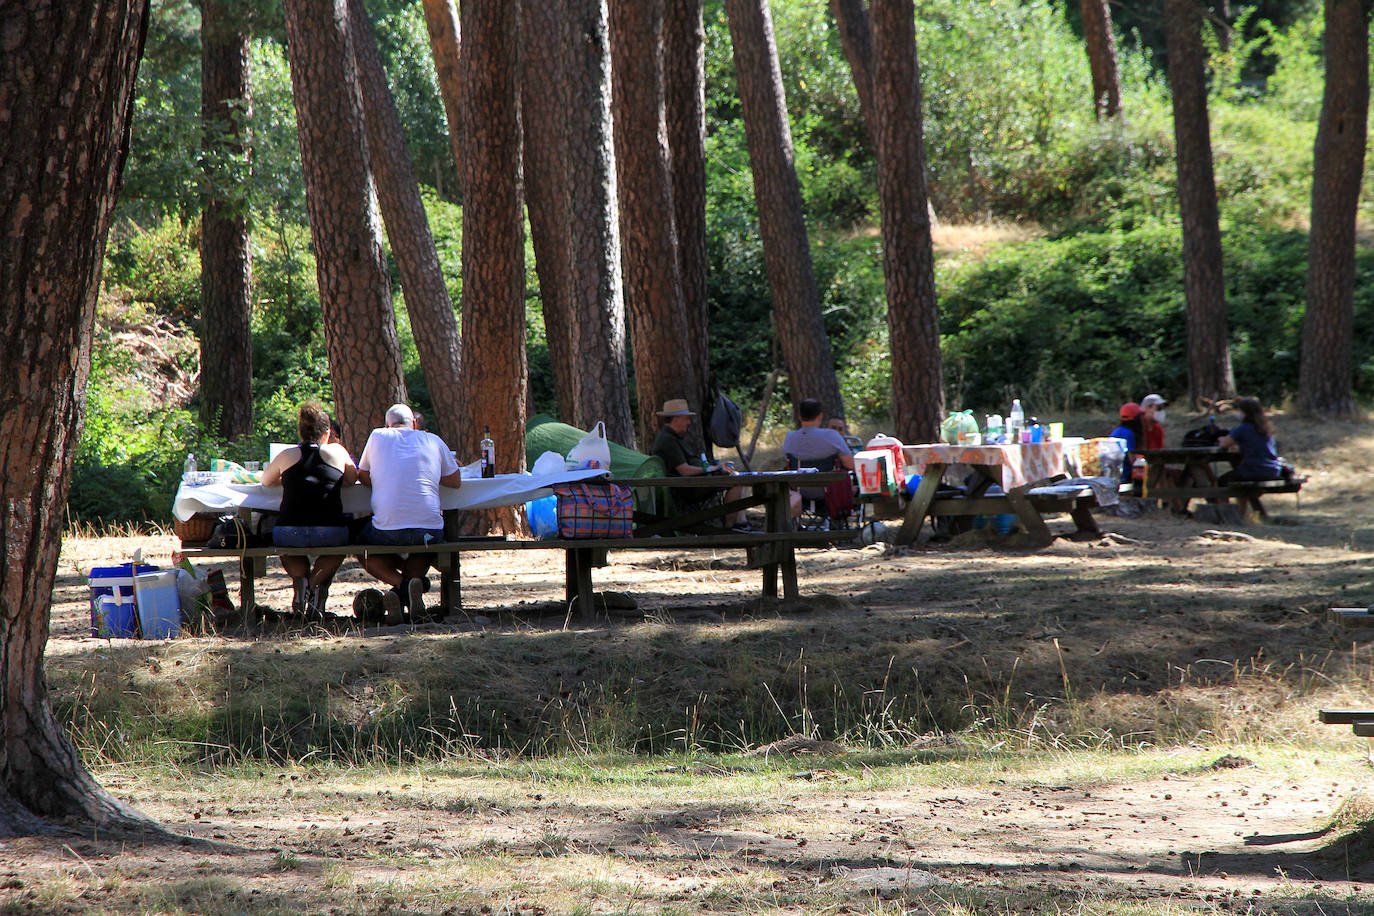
x=1152, y=420
x=668, y=446
x=405, y=467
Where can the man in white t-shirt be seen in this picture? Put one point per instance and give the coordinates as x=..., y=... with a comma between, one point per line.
x=405, y=467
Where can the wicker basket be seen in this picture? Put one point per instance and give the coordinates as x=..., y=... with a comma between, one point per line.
x=196, y=529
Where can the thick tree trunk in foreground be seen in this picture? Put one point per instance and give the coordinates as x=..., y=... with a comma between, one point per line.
x=355, y=291
x=653, y=289
x=598, y=303
x=432, y=321
x=1325, y=375
x=545, y=101
x=64, y=130
x=684, y=109
x=441, y=20
x=226, y=340
x=908, y=259
x=1209, y=358
x=1101, y=44
x=494, y=370
x=797, y=319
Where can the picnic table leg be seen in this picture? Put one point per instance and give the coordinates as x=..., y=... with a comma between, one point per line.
x=777, y=511
x=1030, y=519
x=1082, y=516
x=249, y=569
x=450, y=584
x=919, y=504
x=781, y=502
x=585, y=595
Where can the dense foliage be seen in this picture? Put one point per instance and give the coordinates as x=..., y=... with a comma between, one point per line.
x=1086, y=312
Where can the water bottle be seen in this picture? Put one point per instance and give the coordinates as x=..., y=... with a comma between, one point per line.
x=705, y=464
x=189, y=467
x=994, y=428
x=1016, y=421
x=488, y=448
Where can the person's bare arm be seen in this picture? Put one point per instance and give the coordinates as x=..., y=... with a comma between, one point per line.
x=365, y=477
x=846, y=461
x=454, y=480
x=338, y=456
x=271, y=476
x=1226, y=442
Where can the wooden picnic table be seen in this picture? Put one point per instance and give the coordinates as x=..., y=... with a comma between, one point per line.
x=1026, y=474
x=1197, y=478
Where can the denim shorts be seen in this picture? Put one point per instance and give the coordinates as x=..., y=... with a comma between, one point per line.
x=309, y=536
x=399, y=537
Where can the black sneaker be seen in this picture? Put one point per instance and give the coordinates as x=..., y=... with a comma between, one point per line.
x=415, y=590
x=392, y=603
x=369, y=606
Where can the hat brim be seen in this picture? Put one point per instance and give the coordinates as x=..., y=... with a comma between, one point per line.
x=677, y=413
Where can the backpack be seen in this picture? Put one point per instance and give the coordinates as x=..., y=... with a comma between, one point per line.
x=724, y=424
x=1204, y=436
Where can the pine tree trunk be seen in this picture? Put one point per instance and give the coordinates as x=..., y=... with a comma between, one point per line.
x=441, y=21
x=1101, y=45
x=494, y=369
x=684, y=106
x=598, y=304
x=1209, y=358
x=355, y=290
x=432, y=322
x=653, y=291
x=856, y=37
x=226, y=341
x=1325, y=375
x=64, y=130
x=797, y=319
x=545, y=101
x=908, y=259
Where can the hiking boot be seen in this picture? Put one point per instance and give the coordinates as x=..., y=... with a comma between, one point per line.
x=391, y=607
x=319, y=597
x=300, y=595
x=415, y=590
x=369, y=606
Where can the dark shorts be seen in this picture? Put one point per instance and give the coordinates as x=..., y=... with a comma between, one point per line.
x=693, y=499
x=399, y=537
x=309, y=536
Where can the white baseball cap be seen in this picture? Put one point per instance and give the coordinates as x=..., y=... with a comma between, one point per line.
x=1152, y=400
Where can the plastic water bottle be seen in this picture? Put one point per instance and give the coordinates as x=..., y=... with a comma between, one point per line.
x=488, y=449
x=1016, y=421
x=994, y=427
x=189, y=467
x=705, y=464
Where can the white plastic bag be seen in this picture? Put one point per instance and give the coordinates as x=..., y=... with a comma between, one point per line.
x=594, y=451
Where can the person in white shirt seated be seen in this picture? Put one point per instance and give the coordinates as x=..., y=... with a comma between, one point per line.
x=813, y=445
x=405, y=467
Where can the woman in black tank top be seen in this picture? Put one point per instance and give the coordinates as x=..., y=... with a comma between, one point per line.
x=312, y=477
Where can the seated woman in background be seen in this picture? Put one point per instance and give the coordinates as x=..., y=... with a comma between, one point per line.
x=1253, y=437
x=312, y=476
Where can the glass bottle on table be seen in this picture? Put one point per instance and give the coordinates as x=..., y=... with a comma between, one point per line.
x=488, y=448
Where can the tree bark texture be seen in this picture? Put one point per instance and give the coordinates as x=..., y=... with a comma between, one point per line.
x=1101, y=45
x=67, y=70
x=1325, y=373
x=908, y=259
x=1209, y=358
x=597, y=307
x=441, y=21
x=797, y=319
x=545, y=100
x=432, y=321
x=494, y=370
x=355, y=289
x=226, y=311
x=856, y=37
x=653, y=290
x=684, y=106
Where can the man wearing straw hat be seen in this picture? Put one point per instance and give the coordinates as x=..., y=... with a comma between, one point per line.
x=669, y=446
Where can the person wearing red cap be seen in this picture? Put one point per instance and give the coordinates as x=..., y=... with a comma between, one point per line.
x=1129, y=430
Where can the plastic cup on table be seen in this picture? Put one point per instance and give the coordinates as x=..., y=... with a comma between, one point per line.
x=1057, y=431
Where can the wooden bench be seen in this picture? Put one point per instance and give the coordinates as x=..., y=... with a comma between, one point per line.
x=771, y=552
x=1361, y=721
x=1246, y=492
x=1351, y=617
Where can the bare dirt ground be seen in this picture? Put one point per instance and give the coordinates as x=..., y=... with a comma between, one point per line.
x=1187, y=628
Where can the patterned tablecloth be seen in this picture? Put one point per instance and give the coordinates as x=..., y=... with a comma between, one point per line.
x=1019, y=464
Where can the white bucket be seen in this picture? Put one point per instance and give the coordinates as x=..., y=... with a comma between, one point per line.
x=159, y=608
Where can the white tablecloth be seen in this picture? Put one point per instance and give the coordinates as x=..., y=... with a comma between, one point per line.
x=475, y=493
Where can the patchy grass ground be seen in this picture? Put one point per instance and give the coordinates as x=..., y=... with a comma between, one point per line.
x=1119, y=726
